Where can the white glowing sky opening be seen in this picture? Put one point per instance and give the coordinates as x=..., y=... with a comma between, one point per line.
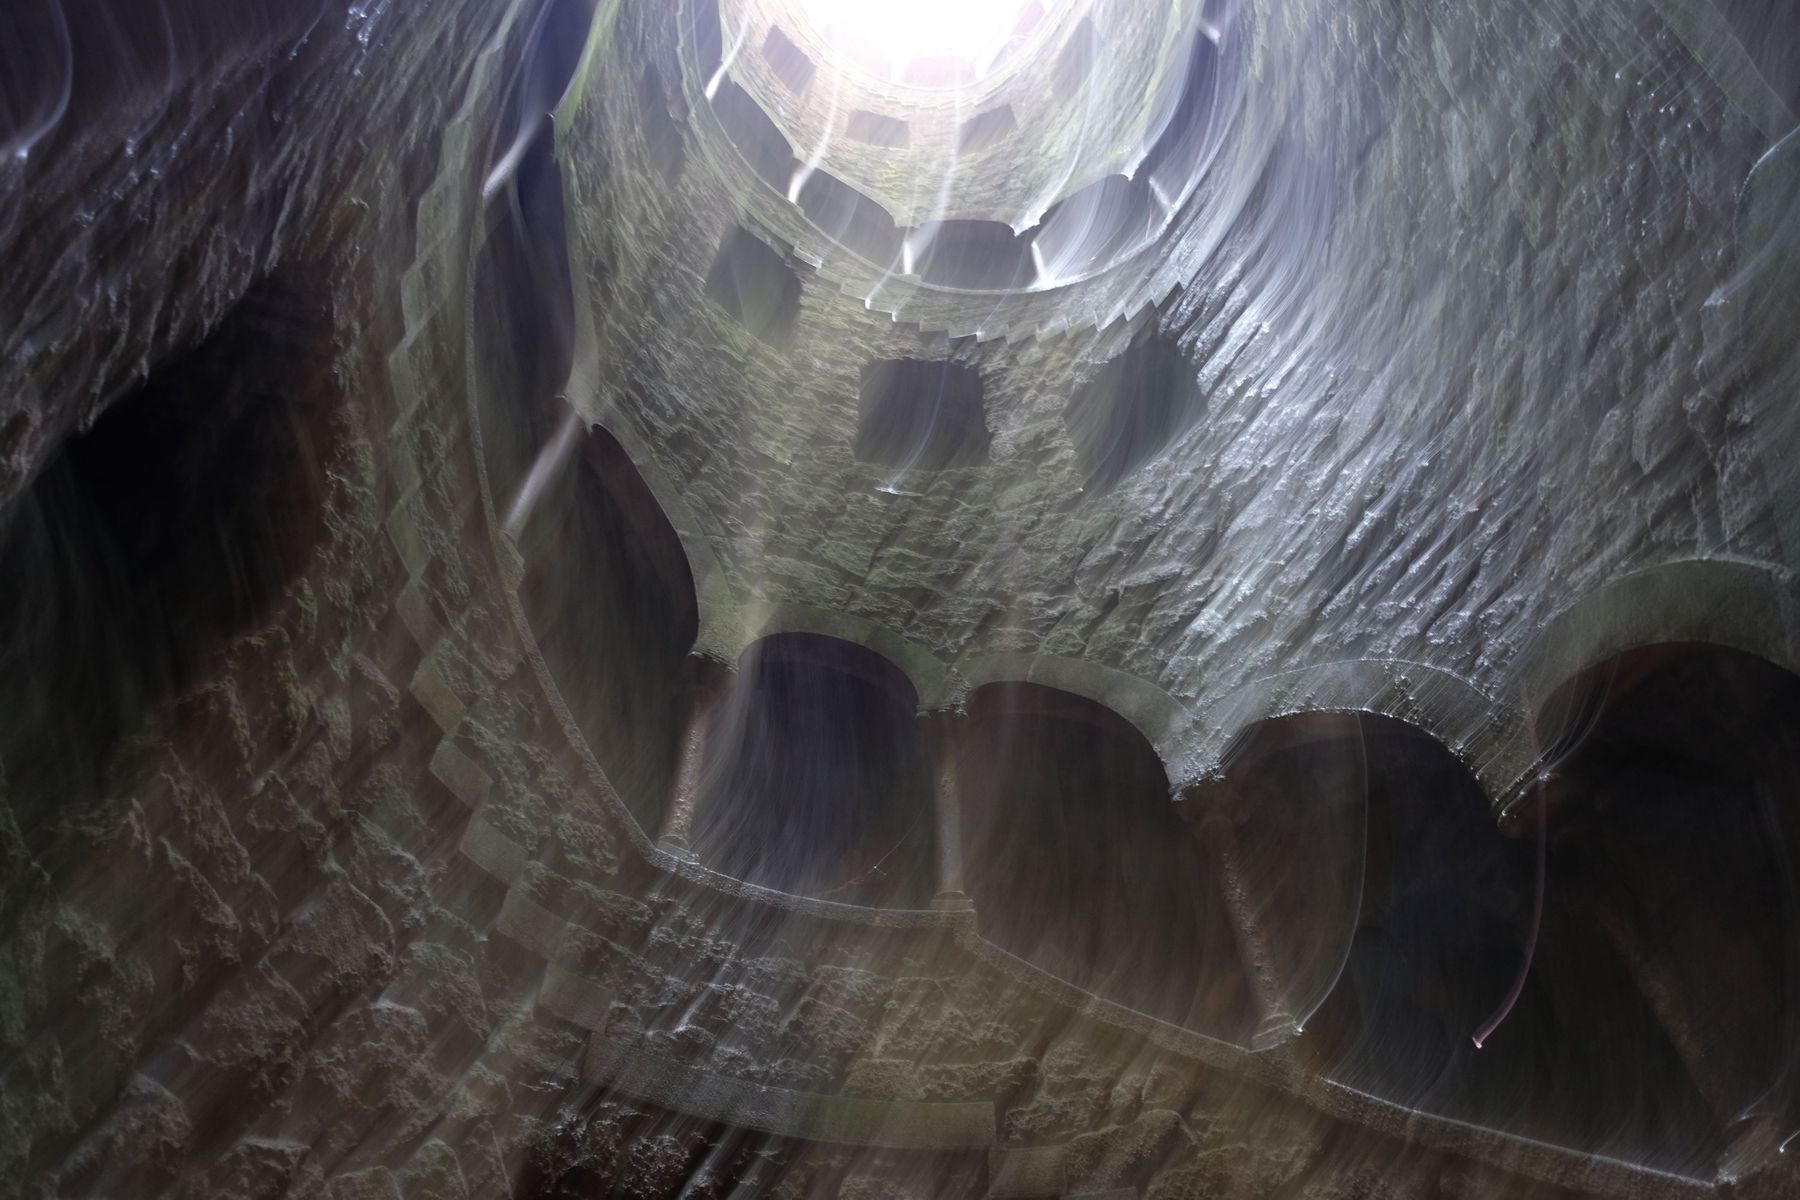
x=916, y=29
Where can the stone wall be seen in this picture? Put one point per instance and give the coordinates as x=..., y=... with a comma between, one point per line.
x=356, y=912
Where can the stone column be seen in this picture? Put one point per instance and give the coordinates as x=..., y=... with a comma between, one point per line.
x=711, y=683
x=1213, y=809
x=943, y=743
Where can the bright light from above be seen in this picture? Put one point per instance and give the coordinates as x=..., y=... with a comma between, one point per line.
x=889, y=34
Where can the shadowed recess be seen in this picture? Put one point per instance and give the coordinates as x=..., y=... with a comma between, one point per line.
x=1092, y=228
x=756, y=286
x=816, y=785
x=755, y=136
x=849, y=218
x=150, y=540
x=1188, y=127
x=876, y=129
x=1442, y=930
x=921, y=415
x=1134, y=408
x=523, y=295
x=525, y=308
x=610, y=599
x=985, y=129
x=1674, y=836
x=709, y=36
x=535, y=83
x=978, y=255
x=1290, y=827
x=788, y=61
x=607, y=590
x=1078, y=863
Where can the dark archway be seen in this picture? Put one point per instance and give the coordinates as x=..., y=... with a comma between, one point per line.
x=147, y=542
x=789, y=62
x=976, y=255
x=876, y=129
x=921, y=415
x=1079, y=863
x=1135, y=407
x=1094, y=227
x=756, y=286
x=610, y=599
x=757, y=139
x=606, y=590
x=849, y=218
x=1443, y=928
x=986, y=129
x=1674, y=827
x=523, y=295
x=1186, y=132
x=815, y=783
x=1288, y=826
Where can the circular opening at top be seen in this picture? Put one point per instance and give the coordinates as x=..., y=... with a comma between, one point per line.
x=928, y=43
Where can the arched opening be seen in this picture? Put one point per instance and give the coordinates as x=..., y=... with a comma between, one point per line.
x=1442, y=931
x=849, y=218
x=1289, y=830
x=1673, y=828
x=1078, y=862
x=756, y=287
x=1094, y=227
x=553, y=42
x=1134, y=408
x=977, y=255
x=815, y=783
x=147, y=542
x=610, y=598
x=523, y=295
x=921, y=415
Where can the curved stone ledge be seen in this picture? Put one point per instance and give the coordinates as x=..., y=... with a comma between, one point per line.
x=1737, y=603
x=1484, y=734
x=1542, y=1161
x=1164, y=721
x=1677, y=601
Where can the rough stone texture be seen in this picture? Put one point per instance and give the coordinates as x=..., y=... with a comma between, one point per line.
x=1414, y=171
x=357, y=914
